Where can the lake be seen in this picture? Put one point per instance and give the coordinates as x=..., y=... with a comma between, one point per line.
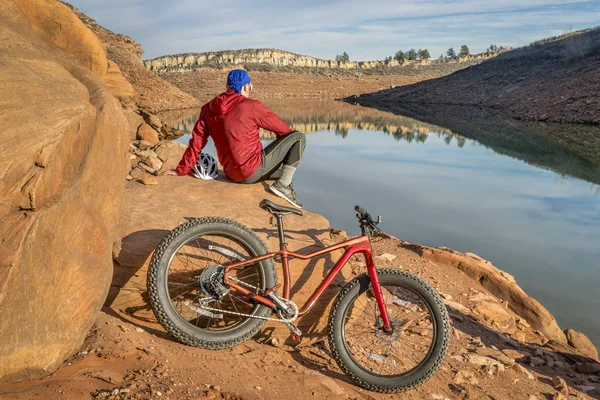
x=517, y=194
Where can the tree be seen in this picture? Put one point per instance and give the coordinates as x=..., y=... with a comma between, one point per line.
x=411, y=54
x=400, y=56
x=343, y=58
x=492, y=49
x=464, y=51
x=424, y=54
x=450, y=53
x=441, y=57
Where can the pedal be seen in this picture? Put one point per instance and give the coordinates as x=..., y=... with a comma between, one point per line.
x=295, y=338
x=293, y=329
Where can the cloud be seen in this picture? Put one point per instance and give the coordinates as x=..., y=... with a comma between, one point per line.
x=366, y=30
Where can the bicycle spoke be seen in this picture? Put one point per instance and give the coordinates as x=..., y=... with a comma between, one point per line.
x=394, y=352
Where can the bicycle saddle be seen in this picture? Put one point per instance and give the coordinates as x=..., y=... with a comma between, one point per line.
x=273, y=208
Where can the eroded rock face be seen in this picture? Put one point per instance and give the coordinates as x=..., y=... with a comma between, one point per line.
x=63, y=143
x=579, y=341
x=501, y=284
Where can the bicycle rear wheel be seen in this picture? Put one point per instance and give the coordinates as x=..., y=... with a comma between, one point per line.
x=403, y=358
x=186, y=289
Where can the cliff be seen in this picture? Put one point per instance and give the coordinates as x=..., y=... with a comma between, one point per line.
x=151, y=92
x=252, y=58
x=556, y=80
x=63, y=139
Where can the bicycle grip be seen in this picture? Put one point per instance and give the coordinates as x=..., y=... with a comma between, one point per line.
x=360, y=210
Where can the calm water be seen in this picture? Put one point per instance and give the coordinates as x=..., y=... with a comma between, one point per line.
x=483, y=184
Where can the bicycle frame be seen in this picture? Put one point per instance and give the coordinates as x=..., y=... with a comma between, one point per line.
x=361, y=244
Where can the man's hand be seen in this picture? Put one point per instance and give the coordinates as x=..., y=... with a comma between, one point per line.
x=170, y=172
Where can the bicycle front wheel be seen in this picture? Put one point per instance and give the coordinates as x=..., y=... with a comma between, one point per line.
x=393, y=361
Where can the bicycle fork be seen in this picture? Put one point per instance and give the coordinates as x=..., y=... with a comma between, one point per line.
x=372, y=271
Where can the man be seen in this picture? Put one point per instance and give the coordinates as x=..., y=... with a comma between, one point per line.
x=233, y=120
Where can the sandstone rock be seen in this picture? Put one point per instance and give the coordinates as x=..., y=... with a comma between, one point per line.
x=146, y=133
x=496, y=355
x=519, y=336
x=149, y=180
x=579, y=341
x=144, y=144
x=151, y=119
x=175, y=153
x=484, y=361
x=523, y=371
x=134, y=120
x=60, y=199
x=386, y=257
x=536, y=361
x=587, y=368
x=516, y=354
x=153, y=162
x=501, y=285
x=559, y=384
x=168, y=150
x=558, y=396
x=457, y=306
x=463, y=376
x=497, y=316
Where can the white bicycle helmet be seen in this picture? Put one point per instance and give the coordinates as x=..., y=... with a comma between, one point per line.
x=206, y=167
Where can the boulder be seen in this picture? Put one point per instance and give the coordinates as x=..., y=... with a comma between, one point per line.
x=145, y=132
x=496, y=316
x=134, y=120
x=59, y=197
x=580, y=342
x=151, y=119
x=171, y=153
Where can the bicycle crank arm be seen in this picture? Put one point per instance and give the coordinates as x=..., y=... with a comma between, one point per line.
x=293, y=329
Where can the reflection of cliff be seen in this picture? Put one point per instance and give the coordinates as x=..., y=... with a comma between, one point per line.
x=539, y=144
x=309, y=116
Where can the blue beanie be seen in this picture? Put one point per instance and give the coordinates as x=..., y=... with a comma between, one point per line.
x=237, y=79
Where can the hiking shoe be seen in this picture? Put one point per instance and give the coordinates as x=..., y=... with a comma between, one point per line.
x=285, y=192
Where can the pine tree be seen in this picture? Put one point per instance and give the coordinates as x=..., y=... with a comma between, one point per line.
x=411, y=54
x=464, y=51
x=450, y=53
x=424, y=54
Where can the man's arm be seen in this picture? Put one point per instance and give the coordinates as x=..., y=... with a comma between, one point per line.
x=267, y=119
x=197, y=143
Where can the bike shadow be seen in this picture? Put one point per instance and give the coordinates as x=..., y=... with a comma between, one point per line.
x=127, y=298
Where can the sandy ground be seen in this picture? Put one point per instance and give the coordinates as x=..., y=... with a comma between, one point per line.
x=123, y=359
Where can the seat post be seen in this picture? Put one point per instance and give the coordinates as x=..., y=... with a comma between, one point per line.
x=282, y=242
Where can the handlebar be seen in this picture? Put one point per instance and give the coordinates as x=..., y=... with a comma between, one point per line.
x=361, y=210
x=367, y=225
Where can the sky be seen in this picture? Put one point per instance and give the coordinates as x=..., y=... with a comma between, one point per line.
x=366, y=30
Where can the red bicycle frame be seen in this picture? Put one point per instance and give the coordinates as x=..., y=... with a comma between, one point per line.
x=360, y=244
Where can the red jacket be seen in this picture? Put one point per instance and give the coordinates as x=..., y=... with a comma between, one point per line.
x=232, y=120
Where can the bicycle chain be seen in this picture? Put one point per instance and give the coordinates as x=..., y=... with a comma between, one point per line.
x=280, y=319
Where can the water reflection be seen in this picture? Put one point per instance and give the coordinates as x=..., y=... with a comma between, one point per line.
x=539, y=144
x=518, y=194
